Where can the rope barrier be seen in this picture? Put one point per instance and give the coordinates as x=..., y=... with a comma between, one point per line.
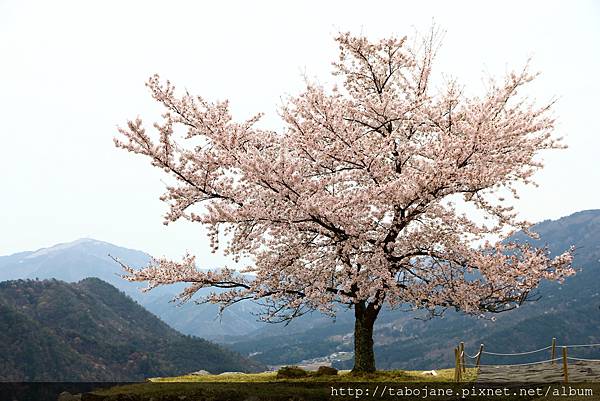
x=472, y=357
x=582, y=345
x=518, y=353
x=461, y=364
x=584, y=359
x=523, y=364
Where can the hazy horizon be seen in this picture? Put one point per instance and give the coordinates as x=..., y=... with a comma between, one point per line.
x=75, y=241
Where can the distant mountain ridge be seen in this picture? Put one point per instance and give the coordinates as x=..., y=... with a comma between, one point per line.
x=89, y=331
x=72, y=261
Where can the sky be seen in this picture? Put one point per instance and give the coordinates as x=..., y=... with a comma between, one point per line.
x=72, y=71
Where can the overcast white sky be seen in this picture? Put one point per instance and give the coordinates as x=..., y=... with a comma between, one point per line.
x=71, y=71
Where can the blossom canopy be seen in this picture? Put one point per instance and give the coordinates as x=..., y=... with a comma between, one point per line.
x=378, y=190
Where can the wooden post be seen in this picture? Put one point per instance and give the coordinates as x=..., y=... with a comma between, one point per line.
x=565, y=367
x=553, y=350
x=456, y=365
x=462, y=357
x=479, y=356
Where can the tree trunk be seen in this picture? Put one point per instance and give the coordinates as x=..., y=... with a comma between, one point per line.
x=364, y=357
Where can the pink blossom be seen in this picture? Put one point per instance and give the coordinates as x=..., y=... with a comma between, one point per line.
x=353, y=202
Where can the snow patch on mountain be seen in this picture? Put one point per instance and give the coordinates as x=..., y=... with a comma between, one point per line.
x=63, y=247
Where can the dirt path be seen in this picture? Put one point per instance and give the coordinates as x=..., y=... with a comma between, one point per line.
x=579, y=371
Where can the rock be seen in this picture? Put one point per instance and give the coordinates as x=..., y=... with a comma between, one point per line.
x=429, y=373
x=326, y=371
x=200, y=373
x=66, y=396
x=290, y=372
x=231, y=373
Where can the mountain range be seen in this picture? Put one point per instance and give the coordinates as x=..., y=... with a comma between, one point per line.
x=88, y=257
x=569, y=311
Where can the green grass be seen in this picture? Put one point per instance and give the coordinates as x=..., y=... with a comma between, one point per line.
x=265, y=385
x=344, y=376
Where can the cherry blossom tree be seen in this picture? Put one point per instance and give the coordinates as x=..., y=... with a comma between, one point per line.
x=381, y=190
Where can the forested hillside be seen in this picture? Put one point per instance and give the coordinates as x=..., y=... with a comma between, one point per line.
x=569, y=311
x=90, y=331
